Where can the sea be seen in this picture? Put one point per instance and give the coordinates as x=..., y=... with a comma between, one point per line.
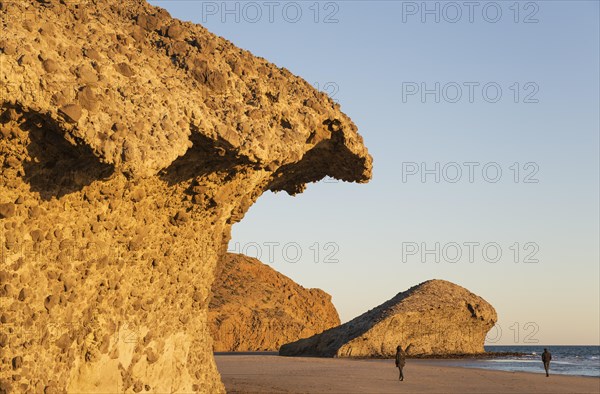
x=566, y=360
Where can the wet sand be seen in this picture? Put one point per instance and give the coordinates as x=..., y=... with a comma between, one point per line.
x=269, y=373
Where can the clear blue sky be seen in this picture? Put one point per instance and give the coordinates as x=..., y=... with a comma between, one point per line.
x=375, y=57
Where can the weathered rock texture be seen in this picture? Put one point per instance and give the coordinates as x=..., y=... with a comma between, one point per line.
x=130, y=143
x=435, y=318
x=255, y=308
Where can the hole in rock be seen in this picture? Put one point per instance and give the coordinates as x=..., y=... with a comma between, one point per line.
x=52, y=166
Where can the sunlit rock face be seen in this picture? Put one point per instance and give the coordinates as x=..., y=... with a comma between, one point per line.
x=255, y=308
x=435, y=317
x=130, y=143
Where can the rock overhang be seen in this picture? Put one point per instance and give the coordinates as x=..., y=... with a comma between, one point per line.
x=138, y=113
x=142, y=134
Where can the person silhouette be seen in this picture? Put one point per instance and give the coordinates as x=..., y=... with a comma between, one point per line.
x=400, y=361
x=546, y=357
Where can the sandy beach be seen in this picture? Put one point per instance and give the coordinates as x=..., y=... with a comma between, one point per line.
x=269, y=373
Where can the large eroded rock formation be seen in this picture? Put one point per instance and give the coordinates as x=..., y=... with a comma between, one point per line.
x=130, y=143
x=435, y=318
x=255, y=308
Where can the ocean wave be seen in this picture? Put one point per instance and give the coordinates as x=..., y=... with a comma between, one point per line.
x=519, y=361
x=510, y=360
x=566, y=360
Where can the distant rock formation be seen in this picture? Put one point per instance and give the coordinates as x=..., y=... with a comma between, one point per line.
x=435, y=318
x=255, y=308
x=130, y=143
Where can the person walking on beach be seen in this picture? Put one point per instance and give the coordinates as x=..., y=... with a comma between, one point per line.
x=546, y=357
x=400, y=361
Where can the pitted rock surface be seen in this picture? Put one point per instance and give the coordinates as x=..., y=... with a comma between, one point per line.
x=130, y=143
x=255, y=308
x=435, y=317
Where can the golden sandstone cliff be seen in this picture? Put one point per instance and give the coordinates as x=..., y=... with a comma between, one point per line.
x=255, y=308
x=435, y=317
x=130, y=144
